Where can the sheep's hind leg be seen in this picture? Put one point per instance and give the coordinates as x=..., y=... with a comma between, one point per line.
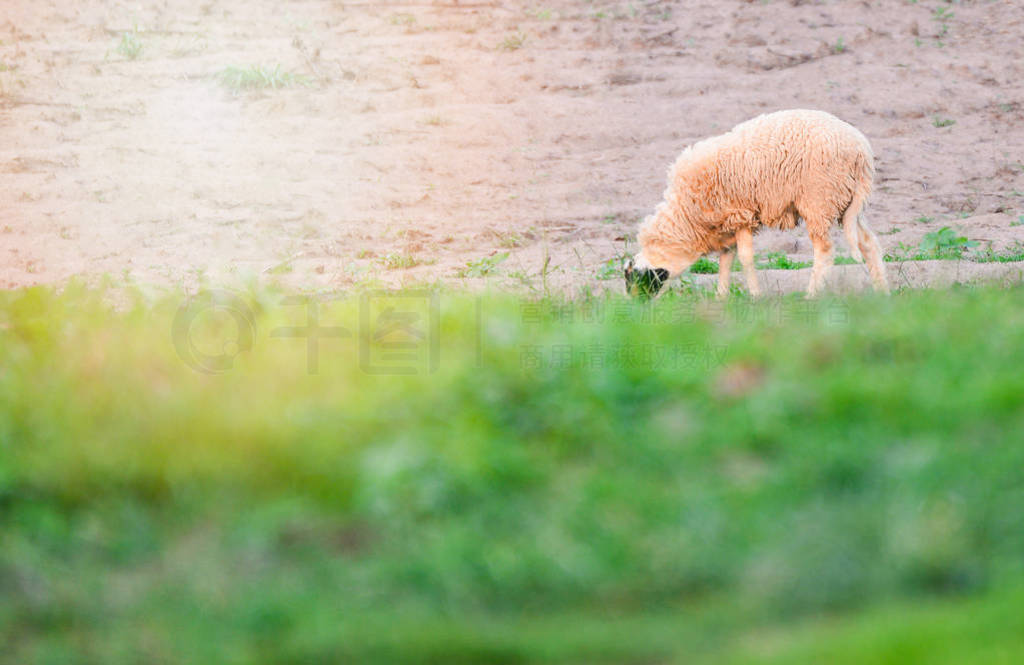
x=745, y=249
x=724, y=268
x=822, y=263
x=872, y=252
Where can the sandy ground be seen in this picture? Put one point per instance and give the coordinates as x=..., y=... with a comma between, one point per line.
x=446, y=133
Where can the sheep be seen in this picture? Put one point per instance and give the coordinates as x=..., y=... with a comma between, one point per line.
x=770, y=171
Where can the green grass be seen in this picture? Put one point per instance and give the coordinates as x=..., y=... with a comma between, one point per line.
x=942, y=244
x=612, y=268
x=704, y=266
x=779, y=261
x=401, y=261
x=484, y=266
x=513, y=42
x=575, y=481
x=1012, y=254
x=259, y=77
x=131, y=45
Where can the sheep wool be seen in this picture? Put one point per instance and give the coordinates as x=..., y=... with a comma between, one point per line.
x=770, y=171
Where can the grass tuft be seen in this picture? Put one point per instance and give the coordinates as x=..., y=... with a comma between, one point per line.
x=131, y=44
x=483, y=267
x=259, y=77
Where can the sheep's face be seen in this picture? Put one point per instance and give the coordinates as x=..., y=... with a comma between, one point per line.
x=644, y=281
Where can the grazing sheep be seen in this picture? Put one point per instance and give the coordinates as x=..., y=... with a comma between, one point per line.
x=769, y=171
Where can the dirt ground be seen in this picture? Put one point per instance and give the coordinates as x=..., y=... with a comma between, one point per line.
x=422, y=140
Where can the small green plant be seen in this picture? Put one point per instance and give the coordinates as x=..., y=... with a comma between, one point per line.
x=924, y=219
x=238, y=79
x=839, y=46
x=704, y=266
x=611, y=269
x=401, y=261
x=779, y=261
x=942, y=14
x=944, y=244
x=482, y=267
x=1013, y=254
x=131, y=44
x=543, y=14
x=901, y=252
x=1019, y=222
x=401, y=19
x=513, y=42
x=845, y=261
x=940, y=122
x=509, y=240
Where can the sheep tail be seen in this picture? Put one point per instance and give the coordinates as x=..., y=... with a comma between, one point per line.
x=854, y=224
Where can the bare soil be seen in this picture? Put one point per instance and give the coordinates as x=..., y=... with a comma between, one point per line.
x=439, y=134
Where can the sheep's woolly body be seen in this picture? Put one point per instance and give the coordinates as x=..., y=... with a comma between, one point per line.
x=767, y=171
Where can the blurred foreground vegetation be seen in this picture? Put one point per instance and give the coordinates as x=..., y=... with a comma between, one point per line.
x=574, y=482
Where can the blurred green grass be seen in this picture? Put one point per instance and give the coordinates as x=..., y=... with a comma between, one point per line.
x=578, y=481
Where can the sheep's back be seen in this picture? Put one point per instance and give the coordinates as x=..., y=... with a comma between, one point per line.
x=771, y=162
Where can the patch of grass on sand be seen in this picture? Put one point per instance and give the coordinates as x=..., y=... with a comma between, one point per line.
x=259, y=77
x=484, y=266
x=779, y=261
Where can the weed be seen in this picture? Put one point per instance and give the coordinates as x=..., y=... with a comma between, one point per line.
x=940, y=122
x=1019, y=222
x=131, y=44
x=401, y=261
x=482, y=267
x=924, y=219
x=509, y=240
x=522, y=277
x=943, y=15
x=845, y=261
x=779, y=261
x=945, y=244
x=704, y=266
x=610, y=269
x=237, y=79
x=839, y=46
x=941, y=244
x=1013, y=254
x=513, y=42
x=401, y=19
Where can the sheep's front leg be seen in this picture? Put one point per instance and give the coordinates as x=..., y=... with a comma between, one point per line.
x=745, y=249
x=724, y=268
x=822, y=262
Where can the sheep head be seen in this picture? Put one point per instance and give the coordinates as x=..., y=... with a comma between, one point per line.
x=651, y=269
x=644, y=280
